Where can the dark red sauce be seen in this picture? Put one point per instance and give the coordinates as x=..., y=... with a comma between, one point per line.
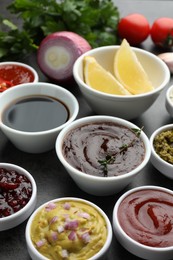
x=147, y=217
x=14, y=75
x=15, y=192
x=87, y=145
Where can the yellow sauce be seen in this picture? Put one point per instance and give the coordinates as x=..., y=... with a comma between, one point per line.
x=68, y=230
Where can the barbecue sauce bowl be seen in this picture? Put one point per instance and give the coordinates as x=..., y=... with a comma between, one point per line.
x=102, y=154
x=33, y=114
x=142, y=222
x=18, y=195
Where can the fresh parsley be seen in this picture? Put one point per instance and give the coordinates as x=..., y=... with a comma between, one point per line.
x=95, y=20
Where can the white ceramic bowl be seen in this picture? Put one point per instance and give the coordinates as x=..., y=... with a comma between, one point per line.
x=18, y=217
x=18, y=72
x=160, y=164
x=169, y=100
x=98, y=185
x=36, y=255
x=127, y=107
x=131, y=244
x=42, y=141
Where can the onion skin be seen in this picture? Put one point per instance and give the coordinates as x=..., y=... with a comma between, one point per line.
x=58, y=52
x=167, y=57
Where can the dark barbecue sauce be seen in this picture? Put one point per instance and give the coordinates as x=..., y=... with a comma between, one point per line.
x=35, y=114
x=88, y=144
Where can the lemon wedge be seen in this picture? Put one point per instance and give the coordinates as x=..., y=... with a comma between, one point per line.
x=100, y=79
x=129, y=71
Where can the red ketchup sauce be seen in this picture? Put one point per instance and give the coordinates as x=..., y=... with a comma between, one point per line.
x=147, y=217
x=11, y=75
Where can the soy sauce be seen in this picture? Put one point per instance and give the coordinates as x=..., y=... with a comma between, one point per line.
x=35, y=114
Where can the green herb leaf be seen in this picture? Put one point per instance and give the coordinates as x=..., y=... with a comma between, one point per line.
x=137, y=131
x=11, y=25
x=110, y=159
x=95, y=20
x=11, y=42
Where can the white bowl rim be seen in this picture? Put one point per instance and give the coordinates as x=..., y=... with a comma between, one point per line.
x=119, y=97
x=97, y=118
x=168, y=96
x=154, y=134
x=115, y=217
x=22, y=64
x=34, y=190
x=102, y=213
x=53, y=130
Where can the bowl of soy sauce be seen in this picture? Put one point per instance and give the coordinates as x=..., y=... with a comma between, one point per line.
x=33, y=114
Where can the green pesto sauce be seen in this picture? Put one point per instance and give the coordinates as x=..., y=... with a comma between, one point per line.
x=163, y=144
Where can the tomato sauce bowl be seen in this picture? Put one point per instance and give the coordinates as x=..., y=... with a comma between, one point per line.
x=143, y=222
x=18, y=195
x=14, y=73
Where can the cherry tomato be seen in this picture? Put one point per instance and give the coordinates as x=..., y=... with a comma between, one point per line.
x=162, y=32
x=134, y=27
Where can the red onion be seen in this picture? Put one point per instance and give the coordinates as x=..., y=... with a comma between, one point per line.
x=71, y=225
x=64, y=253
x=53, y=220
x=86, y=237
x=60, y=229
x=84, y=215
x=40, y=243
x=66, y=217
x=72, y=235
x=50, y=206
x=58, y=52
x=67, y=206
x=54, y=235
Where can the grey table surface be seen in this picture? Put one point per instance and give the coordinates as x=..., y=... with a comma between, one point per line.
x=51, y=178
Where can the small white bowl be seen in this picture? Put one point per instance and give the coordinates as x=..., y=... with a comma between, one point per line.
x=18, y=72
x=36, y=255
x=169, y=100
x=131, y=244
x=20, y=216
x=127, y=107
x=41, y=141
x=160, y=164
x=100, y=185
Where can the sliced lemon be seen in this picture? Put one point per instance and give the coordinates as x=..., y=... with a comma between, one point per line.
x=100, y=79
x=129, y=71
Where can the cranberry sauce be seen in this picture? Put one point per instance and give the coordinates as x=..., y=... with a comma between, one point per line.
x=15, y=192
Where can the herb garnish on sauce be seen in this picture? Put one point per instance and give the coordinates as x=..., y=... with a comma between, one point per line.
x=110, y=159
